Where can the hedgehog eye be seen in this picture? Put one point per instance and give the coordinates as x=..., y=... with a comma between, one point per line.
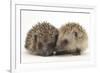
x=76, y=34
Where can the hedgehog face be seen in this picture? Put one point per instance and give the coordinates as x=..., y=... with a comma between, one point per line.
x=66, y=40
x=71, y=37
x=45, y=44
x=41, y=39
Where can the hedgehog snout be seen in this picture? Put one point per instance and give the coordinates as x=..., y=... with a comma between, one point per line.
x=61, y=44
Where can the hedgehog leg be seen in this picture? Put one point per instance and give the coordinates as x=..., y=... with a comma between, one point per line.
x=77, y=52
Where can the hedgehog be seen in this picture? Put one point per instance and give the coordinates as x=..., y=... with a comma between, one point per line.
x=41, y=39
x=72, y=39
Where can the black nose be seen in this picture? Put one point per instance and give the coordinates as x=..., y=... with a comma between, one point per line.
x=43, y=53
x=64, y=43
x=47, y=53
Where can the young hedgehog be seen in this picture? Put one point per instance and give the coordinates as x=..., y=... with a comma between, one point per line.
x=41, y=39
x=72, y=39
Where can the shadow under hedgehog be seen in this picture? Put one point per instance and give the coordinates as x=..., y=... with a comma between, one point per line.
x=41, y=39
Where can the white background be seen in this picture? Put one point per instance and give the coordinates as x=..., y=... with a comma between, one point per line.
x=5, y=41
x=57, y=19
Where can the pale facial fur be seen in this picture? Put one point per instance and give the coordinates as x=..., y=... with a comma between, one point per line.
x=71, y=38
